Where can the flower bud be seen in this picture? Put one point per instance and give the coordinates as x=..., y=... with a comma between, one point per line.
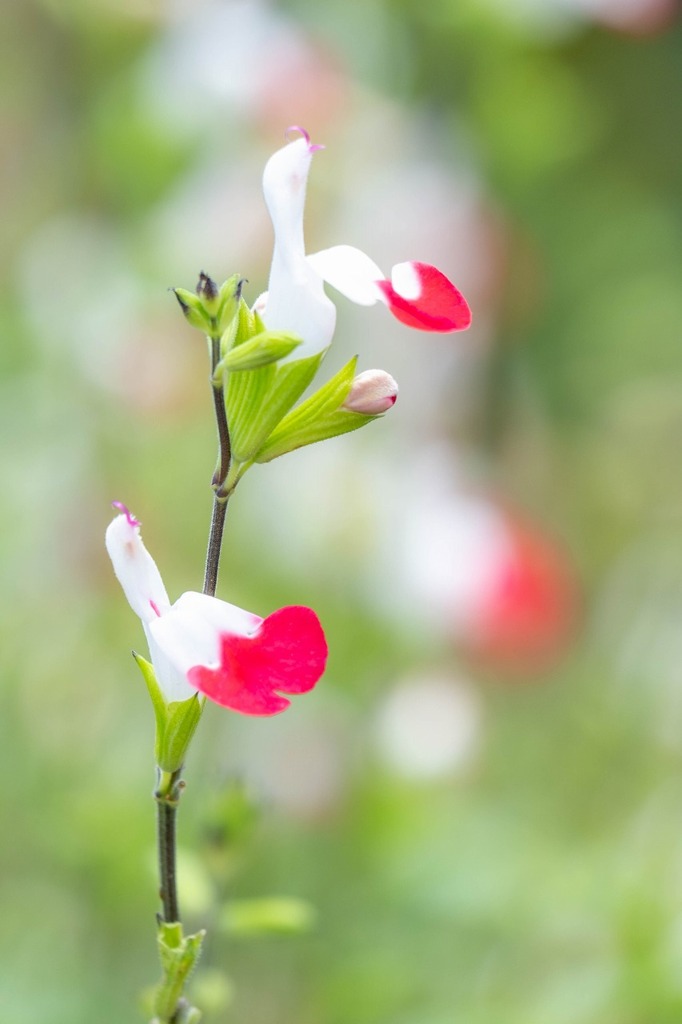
x=208, y=292
x=371, y=393
x=193, y=309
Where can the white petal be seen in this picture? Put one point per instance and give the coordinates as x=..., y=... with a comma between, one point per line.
x=295, y=299
x=284, y=183
x=189, y=634
x=406, y=281
x=350, y=271
x=136, y=569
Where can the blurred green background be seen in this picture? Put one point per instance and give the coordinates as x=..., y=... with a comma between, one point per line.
x=483, y=798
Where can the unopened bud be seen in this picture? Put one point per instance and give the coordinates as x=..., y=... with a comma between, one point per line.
x=372, y=393
x=193, y=308
x=207, y=290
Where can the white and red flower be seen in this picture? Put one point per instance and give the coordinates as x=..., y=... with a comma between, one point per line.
x=417, y=294
x=201, y=644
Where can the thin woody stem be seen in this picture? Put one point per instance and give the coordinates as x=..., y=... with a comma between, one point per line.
x=170, y=786
x=215, y=541
x=167, y=795
x=215, y=538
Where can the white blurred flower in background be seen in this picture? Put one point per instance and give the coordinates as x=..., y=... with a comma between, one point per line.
x=430, y=725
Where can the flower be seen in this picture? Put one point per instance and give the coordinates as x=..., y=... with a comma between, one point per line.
x=200, y=643
x=417, y=294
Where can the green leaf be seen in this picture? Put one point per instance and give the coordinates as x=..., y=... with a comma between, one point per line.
x=279, y=915
x=178, y=954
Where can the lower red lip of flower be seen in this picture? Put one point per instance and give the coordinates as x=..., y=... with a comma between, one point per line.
x=288, y=653
x=438, y=307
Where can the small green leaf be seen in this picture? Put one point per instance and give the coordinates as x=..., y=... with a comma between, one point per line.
x=213, y=990
x=280, y=915
x=178, y=954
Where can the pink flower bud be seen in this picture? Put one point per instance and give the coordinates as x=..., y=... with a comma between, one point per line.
x=372, y=393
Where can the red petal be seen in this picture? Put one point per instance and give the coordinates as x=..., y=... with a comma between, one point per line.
x=288, y=652
x=438, y=307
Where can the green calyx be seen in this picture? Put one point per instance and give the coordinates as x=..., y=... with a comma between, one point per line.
x=211, y=308
x=257, y=400
x=261, y=350
x=175, y=722
x=316, y=419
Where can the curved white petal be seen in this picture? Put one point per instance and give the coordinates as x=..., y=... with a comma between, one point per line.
x=189, y=634
x=136, y=569
x=350, y=271
x=406, y=281
x=295, y=299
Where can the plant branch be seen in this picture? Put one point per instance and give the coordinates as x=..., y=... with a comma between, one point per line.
x=215, y=538
x=167, y=795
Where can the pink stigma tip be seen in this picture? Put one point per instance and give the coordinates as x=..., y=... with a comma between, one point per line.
x=313, y=147
x=132, y=521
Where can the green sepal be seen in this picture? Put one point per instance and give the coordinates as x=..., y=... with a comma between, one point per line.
x=274, y=915
x=228, y=302
x=211, y=309
x=175, y=722
x=317, y=419
x=193, y=308
x=244, y=326
x=261, y=350
x=178, y=954
x=256, y=401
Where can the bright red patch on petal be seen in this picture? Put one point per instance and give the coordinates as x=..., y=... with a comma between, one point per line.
x=287, y=653
x=438, y=307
